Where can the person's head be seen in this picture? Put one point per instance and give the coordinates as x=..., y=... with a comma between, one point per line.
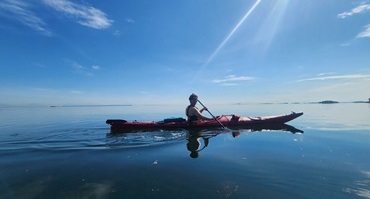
x=193, y=98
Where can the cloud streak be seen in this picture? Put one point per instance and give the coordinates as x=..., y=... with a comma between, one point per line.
x=232, y=80
x=80, y=69
x=85, y=15
x=337, y=77
x=365, y=33
x=358, y=10
x=21, y=11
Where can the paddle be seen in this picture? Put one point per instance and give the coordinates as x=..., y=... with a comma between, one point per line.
x=212, y=115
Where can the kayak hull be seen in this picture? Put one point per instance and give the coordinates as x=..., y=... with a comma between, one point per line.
x=229, y=121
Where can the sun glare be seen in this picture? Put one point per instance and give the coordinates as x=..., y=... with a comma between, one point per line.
x=269, y=27
x=271, y=24
x=241, y=21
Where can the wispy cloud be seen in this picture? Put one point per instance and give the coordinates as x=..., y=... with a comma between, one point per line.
x=229, y=84
x=80, y=69
x=129, y=20
x=75, y=92
x=337, y=77
x=85, y=15
x=232, y=80
x=345, y=44
x=117, y=33
x=95, y=67
x=357, y=10
x=324, y=74
x=41, y=89
x=21, y=11
x=365, y=33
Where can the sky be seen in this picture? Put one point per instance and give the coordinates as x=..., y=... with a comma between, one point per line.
x=64, y=52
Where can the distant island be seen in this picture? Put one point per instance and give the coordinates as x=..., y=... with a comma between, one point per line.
x=335, y=102
x=366, y=102
x=328, y=102
x=362, y=101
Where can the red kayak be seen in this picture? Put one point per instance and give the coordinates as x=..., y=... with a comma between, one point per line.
x=229, y=121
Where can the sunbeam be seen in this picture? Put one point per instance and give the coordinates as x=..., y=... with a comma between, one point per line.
x=271, y=24
x=241, y=21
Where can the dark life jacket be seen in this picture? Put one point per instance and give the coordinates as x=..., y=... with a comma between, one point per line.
x=190, y=118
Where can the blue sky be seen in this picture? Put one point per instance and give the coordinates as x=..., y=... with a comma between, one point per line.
x=57, y=52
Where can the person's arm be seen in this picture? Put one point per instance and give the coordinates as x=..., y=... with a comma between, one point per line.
x=203, y=109
x=198, y=113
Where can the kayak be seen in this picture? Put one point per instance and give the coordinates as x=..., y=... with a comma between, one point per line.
x=229, y=121
x=215, y=131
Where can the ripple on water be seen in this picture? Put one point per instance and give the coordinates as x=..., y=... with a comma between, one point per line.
x=141, y=139
x=227, y=188
x=87, y=138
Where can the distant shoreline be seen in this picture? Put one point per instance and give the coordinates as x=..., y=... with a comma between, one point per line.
x=320, y=102
x=96, y=105
x=62, y=106
x=124, y=105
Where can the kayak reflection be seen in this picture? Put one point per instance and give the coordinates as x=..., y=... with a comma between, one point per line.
x=198, y=140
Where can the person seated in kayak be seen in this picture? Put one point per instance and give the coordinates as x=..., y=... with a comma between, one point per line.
x=193, y=113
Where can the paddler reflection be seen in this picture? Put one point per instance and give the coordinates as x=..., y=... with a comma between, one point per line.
x=199, y=140
x=194, y=144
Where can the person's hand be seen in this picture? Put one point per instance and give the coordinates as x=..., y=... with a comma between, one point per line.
x=205, y=109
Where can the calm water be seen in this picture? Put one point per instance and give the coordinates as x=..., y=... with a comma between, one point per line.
x=67, y=152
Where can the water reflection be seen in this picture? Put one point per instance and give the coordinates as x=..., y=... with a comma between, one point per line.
x=226, y=189
x=195, y=140
x=361, y=187
x=198, y=140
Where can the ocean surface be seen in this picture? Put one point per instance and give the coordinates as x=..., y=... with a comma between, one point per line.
x=69, y=152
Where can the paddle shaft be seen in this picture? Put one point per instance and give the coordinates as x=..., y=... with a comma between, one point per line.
x=211, y=114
